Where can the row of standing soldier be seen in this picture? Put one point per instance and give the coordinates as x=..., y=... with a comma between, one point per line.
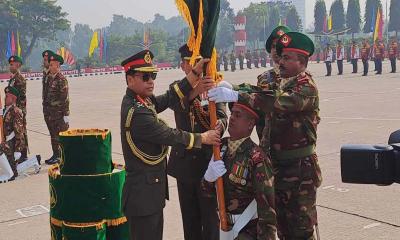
x=14, y=148
x=257, y=58
x=365, y=52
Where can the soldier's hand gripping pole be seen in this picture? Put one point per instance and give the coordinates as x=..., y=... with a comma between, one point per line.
x=217, y=157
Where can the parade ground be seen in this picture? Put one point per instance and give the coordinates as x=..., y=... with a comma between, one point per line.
x=354, y=109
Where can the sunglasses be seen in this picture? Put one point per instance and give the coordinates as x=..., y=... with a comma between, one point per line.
x=146, y=76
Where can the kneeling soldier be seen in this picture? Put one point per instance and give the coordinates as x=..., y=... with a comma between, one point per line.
x=13, y=134
x=248, y=182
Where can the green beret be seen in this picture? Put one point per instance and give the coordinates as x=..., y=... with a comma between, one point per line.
x=15, y=59
x=295, y=42
x=56, y=57
x=47, y=53
x=275, y=35
x=12, y=90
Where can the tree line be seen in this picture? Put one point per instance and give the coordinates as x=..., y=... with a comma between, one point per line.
x=42, y=24
x=352, y=17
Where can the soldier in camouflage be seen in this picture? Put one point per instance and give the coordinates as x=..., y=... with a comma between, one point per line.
x=13, y=135
x=269, y=80
x=248, y=182
x=295, y=105
x=55, y=104
x=19, y=82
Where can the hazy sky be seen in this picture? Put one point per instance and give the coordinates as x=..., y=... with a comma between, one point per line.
x=98, y=13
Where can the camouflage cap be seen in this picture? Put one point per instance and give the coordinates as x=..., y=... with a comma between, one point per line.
x=15, y=59
x=275, y=35
x=295, y=42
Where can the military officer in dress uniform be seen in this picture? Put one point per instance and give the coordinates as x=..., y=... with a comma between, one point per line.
x=19, y=82
x=145, y=139
x=200, y=220
x=295, y=105
x=354, y=56
x=379, y=52
x=55, y=105
x=328, y=59
x=393, y=54
x=365, y=52
x=248, y=180
x=339, y=57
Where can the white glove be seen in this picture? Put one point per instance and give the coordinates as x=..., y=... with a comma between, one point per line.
x=66, y=119
x=222, y=94
x=17, y=155
x=225, y=84
x=215, y=170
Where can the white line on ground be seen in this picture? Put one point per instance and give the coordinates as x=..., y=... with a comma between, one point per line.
x=17, y=223
x=372, y=225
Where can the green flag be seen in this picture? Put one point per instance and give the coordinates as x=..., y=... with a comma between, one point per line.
x=202, y=18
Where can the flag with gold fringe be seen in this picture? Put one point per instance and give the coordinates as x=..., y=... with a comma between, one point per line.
x=202, y=18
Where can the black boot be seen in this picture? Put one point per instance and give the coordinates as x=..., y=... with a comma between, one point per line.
x=53, y=160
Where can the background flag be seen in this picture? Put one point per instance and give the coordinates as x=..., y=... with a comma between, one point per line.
x=101, y=48
x=19, y=50
x=373, y=20
x=13, y=47
x=67, y=55
x=105, y=46
x=330, y=23
x=9, y=50
x=378, y=25
x=94, y=43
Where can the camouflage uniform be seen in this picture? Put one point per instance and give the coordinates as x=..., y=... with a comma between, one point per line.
x=55, y=107
x=268, y=80
x=249, y=58
x=295, y=108
x=19, y=82
x=200, y=220
x=249, y=176
x=13, y=125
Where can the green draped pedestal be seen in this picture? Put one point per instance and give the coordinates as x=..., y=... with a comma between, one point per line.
x=86, y=189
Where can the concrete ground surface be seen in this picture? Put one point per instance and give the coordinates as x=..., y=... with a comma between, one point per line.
x=354, y=109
